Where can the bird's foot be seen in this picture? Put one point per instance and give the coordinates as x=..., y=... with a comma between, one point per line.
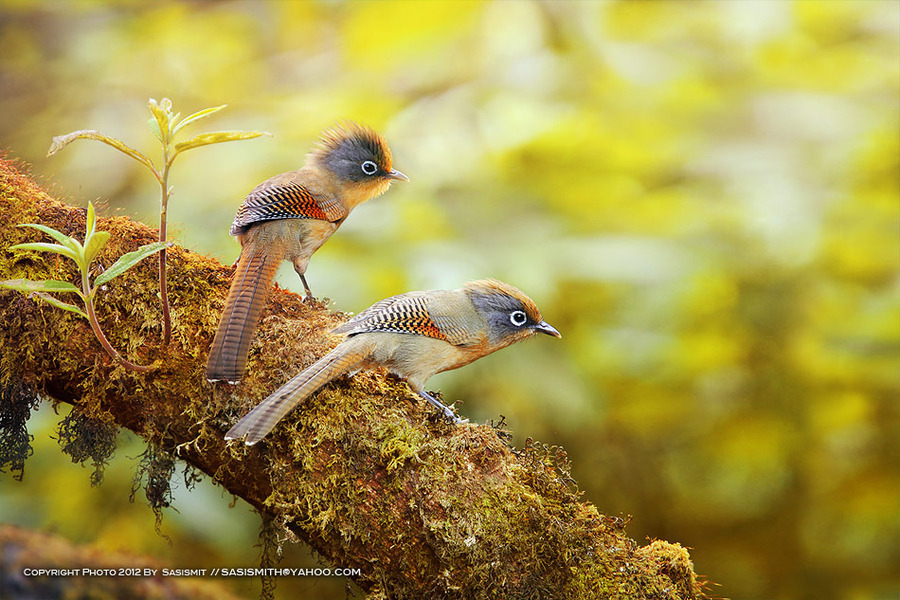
x=446, y=411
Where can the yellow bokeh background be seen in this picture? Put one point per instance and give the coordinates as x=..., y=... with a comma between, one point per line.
x=702, y=197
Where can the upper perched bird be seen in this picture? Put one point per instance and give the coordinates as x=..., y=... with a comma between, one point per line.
x=414, y=335
x=289, y=217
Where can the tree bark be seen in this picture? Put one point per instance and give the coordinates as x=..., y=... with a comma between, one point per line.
x=362, y=472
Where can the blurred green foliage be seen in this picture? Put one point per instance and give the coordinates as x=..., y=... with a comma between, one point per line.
x=703, y=198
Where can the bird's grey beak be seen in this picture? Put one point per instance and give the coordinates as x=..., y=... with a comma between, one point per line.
x=395, y=174
x=545, y=327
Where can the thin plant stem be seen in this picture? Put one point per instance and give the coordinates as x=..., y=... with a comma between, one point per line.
x=163, y=286
x=95, y=325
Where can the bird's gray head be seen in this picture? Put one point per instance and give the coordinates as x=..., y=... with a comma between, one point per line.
x=510, y=314
x=356, y=153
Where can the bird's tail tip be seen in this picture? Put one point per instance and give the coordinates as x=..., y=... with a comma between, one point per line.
x=216, y=370
x=223, y=379
x=250, y=440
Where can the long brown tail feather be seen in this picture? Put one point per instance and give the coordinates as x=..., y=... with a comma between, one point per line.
x=246, y=298
x=260, y=421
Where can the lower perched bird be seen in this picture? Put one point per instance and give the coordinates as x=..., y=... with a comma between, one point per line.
x=415, y=335
x=289, y=217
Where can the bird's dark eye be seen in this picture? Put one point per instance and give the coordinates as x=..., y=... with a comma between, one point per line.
x=369, y=167
x=518, y=318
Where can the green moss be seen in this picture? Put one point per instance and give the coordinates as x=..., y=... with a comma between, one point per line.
x=400, y=443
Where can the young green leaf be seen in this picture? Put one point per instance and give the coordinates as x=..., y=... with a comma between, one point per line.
x=56, y=235
x=162, y=119
x=90, y=222
x=126, y=261
x=61, y=141
x=95, y=245
x=60, y=304
x=45, y=247
x=154, y=127
x=68, y=242
x=197, y=116
x=216, y=137
x=45, y=285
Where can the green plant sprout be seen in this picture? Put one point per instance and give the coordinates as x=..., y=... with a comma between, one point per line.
x=83, y=255
x=165, y=125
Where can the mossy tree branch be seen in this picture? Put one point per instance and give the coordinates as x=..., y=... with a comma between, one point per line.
x=363, y=472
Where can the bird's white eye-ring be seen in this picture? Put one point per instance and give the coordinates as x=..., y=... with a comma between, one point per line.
x=517, y=318
x=369, y=167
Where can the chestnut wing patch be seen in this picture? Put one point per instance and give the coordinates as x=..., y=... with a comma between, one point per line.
x=417, y=313
x=407, y=313
x=284, y=201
